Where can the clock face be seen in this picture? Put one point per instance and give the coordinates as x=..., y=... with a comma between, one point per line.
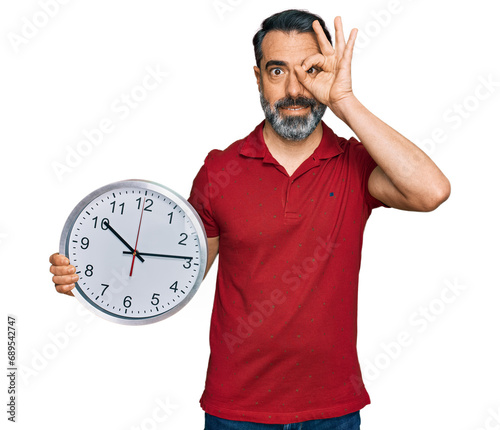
x=139, y=249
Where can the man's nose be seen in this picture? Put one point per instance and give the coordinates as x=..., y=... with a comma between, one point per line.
x=293, y=86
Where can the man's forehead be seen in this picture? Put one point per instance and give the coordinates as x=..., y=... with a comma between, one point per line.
x=288, y=46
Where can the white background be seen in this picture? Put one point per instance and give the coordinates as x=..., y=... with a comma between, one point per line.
x=416, y=63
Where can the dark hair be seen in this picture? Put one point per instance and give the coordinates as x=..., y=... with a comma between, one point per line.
x=287, y=21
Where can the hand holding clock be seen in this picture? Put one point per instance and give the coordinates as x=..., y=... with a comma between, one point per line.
x=64, y=274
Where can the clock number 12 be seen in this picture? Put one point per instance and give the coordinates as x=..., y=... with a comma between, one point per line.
x=147, y=204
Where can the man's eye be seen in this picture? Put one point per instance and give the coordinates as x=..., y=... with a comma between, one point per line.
x=312, y=70
x=276, y=72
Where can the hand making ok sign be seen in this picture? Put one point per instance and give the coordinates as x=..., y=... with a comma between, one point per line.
x=332, y=83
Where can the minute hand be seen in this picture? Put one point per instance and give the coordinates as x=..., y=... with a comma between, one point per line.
x=149, y=254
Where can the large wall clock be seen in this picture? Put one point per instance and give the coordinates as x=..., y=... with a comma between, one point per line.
x=140, y=251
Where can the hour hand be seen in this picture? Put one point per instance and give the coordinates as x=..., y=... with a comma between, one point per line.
x=149, y=254
x=112, y=230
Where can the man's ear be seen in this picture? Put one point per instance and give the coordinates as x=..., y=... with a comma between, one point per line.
x=256, y=71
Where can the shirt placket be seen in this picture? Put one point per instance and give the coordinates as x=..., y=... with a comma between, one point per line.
x=292, y=209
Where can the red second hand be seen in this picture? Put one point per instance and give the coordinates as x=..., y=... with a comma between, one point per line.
x=137, y=239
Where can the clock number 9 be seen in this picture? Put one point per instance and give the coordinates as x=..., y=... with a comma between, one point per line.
x=85, y=243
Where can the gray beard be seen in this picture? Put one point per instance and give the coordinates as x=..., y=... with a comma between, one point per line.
x=293, y=127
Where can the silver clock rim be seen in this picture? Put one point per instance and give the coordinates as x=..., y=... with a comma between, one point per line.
x=155, y=187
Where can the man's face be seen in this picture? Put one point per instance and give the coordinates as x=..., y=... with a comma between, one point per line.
x=290, y=109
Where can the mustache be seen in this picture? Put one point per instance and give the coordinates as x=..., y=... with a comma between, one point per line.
x=299, y=101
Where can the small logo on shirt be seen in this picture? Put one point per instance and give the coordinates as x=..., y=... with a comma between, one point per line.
x=331, y=194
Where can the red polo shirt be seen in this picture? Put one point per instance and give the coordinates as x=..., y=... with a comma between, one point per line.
x=283, y=328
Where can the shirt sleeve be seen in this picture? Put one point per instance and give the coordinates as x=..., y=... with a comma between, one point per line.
x=200, y=200
x=364, y=165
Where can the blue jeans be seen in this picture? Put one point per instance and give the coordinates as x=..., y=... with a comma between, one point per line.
x=345, y=422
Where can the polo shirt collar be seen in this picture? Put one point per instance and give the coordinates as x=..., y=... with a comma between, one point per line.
x=254, y=146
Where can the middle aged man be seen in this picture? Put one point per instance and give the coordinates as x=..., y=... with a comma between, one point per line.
x=285, y=208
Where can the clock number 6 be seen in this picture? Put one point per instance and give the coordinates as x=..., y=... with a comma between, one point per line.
x=127, y=301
